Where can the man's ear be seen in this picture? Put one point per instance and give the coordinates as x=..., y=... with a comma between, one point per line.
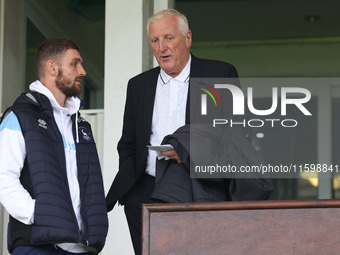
x=188, y=38
x=51, y=68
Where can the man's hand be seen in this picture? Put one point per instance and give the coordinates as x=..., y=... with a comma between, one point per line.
x=171, y=154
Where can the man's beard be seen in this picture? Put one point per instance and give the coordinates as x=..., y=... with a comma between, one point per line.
x=68, y=87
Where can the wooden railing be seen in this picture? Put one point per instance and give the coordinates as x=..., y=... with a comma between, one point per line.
x=238, y=228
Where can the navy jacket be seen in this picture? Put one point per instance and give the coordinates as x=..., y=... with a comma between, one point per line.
x=44, y=176
x=203, y=146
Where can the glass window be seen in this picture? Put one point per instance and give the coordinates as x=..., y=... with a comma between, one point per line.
x=289, y=145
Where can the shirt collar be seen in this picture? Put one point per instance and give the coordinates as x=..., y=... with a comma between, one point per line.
x=182, y=77
x=72, y=104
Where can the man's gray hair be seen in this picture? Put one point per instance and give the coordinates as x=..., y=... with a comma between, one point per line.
x=183, y=25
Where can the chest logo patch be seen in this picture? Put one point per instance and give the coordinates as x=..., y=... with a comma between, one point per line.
x=85, y=133
x=42, y=123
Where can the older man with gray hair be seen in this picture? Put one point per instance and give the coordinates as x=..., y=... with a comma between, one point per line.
x=157, y=105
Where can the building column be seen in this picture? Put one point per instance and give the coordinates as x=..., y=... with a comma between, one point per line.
x=126, y=52
x=123, y=60
x=13, y=51
x=2, y=227
x=12, y=72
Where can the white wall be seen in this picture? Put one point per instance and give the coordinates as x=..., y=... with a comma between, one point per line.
x=123, y=60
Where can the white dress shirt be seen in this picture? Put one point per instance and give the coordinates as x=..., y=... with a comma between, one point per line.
x=168, y=111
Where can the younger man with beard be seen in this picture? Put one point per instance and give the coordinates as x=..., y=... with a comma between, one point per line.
x=50, y=176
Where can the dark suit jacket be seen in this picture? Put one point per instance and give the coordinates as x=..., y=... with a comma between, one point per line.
x=132, y=147
x=200, y=145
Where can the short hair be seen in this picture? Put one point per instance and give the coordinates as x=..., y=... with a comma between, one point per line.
x=51, y=49
x=183, y=24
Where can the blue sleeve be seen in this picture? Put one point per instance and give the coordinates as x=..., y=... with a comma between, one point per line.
x=10, y=122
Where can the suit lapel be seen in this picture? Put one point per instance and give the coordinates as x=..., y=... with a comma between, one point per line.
x=195, y=72
x=149, y=99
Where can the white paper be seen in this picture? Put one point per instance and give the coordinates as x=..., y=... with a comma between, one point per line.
x=159, y=148
x=164, y=147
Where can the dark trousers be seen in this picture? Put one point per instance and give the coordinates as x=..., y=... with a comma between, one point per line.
x=44, y=250
x=133, y=201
